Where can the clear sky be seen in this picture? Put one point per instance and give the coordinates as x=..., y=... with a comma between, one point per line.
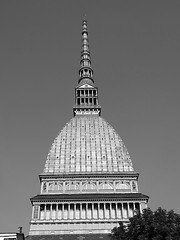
x=135, y=48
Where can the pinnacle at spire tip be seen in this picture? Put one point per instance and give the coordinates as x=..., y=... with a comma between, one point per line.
x=84, y=24
x=84, y=17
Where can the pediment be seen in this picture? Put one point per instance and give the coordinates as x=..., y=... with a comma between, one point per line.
x=86, y=86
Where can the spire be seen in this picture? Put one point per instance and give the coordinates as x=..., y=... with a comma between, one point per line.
x=86, y=93
x=85, y=70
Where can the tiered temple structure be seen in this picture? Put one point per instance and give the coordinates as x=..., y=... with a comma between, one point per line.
x=88, y=184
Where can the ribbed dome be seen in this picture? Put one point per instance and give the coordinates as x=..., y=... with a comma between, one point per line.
x=88, y=144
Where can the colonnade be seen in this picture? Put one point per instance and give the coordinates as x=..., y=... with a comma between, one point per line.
x=86, y=101
x=86, y=92
x=101, y=210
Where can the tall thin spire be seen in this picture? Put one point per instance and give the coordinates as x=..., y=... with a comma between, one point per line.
x=86, y=93
x=85, y=70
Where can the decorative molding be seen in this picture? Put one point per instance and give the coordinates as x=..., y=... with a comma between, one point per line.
x=87, y=186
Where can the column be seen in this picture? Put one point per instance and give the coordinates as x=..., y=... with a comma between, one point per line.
x=47, y=212
x=75, y=211
x=53, y=212
x=130, y=205
x=89, y=210
x=134, y=209
x=113, y=211
x=105, y=211
x=109, y=210
x=44, y=211
x=50, y=214
x=118, y=207
x=68, y=213
x=95, y=210
x=86, y=210
x=80, y=210
x=127, y=209
x=62, y=211
x=124, y=210
x=137, y=207
x=56, y=211
x=122, y=213
x=65, y=211
x=71, y=211
x=140, y=207
x=98, y=211
x=101, y=211
x=83, y=213
x=110, y=207
x=128, y=213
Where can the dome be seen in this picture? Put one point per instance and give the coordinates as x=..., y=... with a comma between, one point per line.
x=88, y=145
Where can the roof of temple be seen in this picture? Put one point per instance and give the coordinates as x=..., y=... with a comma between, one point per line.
x=89, y=196
x=86, y=81
x=69, y=237
x=88, y=145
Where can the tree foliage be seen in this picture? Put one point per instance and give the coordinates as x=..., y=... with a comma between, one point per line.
x=157, y=225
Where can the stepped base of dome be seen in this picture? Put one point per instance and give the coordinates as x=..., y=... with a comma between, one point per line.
x=72, y=228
